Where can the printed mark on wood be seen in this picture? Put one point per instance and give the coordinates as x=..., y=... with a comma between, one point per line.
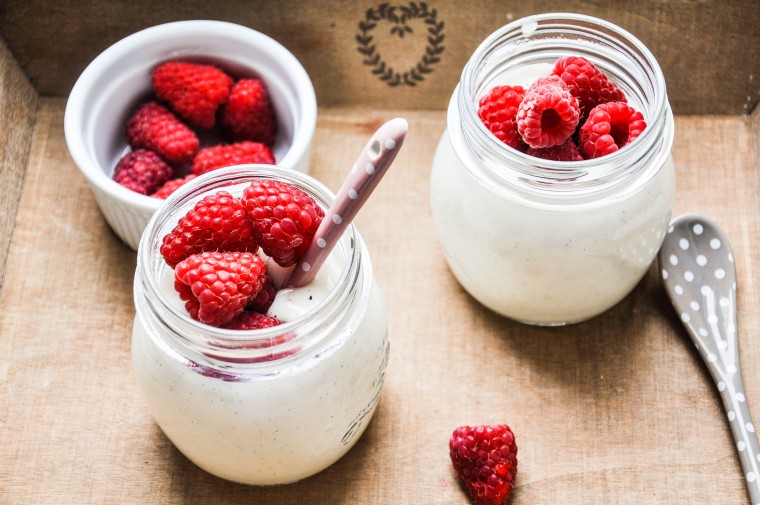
x=398, y=16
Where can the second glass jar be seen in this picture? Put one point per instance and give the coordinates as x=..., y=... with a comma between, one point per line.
x=547, y=242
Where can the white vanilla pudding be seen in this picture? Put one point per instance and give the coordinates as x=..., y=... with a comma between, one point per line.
x=548, y=242
x=266, y=406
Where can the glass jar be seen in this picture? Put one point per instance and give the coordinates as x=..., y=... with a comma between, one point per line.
x=267, y=406
x=547, y=242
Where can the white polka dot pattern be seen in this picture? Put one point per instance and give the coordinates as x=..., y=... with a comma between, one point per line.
x=364, y=176
x=697, y=269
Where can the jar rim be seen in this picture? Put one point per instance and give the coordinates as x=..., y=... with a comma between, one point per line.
x=198, y=335
x=550, y=176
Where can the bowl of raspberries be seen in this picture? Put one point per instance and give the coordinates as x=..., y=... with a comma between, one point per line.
x=175, y=101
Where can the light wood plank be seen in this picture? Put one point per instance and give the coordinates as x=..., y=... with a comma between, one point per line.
x=616, y=410
x=18, y=107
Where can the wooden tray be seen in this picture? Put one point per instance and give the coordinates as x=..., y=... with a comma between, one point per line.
x=616, y=410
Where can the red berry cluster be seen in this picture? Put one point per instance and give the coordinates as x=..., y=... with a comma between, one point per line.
x=213, y=247
x=191, y=98
x=574, y=114
x=485, y=462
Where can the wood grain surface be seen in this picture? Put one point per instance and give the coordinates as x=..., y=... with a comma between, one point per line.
x=708, y=49
x=18, y=109
x=616, y=410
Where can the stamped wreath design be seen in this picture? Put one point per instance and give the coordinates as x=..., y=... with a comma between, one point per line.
x=398, y=15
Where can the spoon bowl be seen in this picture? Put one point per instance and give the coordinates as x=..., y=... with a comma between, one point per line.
x=697, y=268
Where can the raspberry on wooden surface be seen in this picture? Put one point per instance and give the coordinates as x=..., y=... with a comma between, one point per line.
x=485, y=462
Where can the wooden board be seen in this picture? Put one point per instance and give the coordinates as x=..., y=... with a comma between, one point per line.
x=616, y=410
x=708, y=50
x=18, y=108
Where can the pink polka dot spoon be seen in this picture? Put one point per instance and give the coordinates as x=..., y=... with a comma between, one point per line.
x=697, y=268
x=365, y=174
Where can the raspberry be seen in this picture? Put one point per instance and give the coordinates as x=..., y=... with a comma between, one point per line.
x=153, y=127
x=142, y=171
x=216, y=286
x=498, y=111
x=249, y=320
x=609, y=127
x=217, y=223
x=566, y=151
x=248, y=113
x=171, y=186
x=548, y=114
x=587, y=83
x=485, y=462
x=264, y=299
x=192, y=90
x=211, y=158
x=284, y=219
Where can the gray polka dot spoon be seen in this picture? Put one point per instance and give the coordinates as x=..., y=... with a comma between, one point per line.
x=697, y=268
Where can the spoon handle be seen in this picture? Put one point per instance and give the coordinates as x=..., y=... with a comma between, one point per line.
x=365, y=174
x=731, y=388
x=699, y=275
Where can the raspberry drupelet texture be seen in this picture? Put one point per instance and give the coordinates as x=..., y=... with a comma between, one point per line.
x=142, y=171
x=587, y=83
x=250, y=320
x=218, y=222
x=154, y=127
x=211, y=158
x=284, y=219
x=567, y=151
x=609, y=127
x=216, y=286
x=498, y=111
x=548, y=114
x=485, y=462
x=265, y=298
x=192, y=90
x=248, y=113
x=171, y=186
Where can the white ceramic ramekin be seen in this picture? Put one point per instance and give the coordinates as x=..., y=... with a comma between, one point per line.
x=119, y=80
